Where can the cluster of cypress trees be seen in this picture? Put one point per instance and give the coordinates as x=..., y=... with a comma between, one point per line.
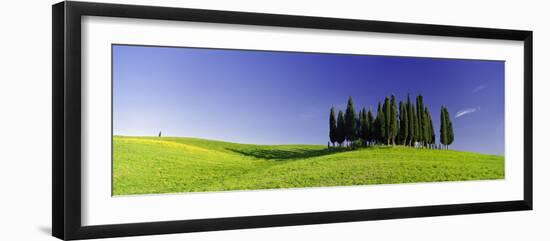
x=403, y=123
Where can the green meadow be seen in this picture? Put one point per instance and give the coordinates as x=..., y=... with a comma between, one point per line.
x=148, y=165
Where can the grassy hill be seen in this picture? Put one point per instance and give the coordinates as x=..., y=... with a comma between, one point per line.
x=144, y=165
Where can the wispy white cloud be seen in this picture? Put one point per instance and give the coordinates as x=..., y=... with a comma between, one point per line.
x=467, y=111
x=479, y=88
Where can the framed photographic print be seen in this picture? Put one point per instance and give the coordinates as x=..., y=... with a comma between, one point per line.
x=170, y=120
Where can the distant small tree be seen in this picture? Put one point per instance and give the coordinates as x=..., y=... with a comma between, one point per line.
x=333, y=134
x=340, y=127
x=160, y=133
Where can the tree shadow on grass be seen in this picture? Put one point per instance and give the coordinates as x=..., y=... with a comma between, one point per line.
x=282, y=155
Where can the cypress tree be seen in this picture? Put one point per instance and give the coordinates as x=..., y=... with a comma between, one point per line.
x=403, y=123
x=417, y=136
x=410, y=112
x=382, y=124
x=358, y=125
x=446, y=129
x=432, y=139
x=394, y=124
x=427, y=130
x=426, y=125
x=431, y=128
x=443, y=137
x=340, y=127
x=364, y=126
x=376, y=126
x=419, y=116
x=371, y=129
x=350, y=121
x=332, y=126
x=387, y=120
x=399, y=137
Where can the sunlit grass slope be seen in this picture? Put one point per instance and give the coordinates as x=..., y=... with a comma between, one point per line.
x=146, y=165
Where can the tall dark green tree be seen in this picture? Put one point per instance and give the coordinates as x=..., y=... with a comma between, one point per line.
x=365, y=126
x=358, y=125
x=446, y=129
x=387, y=120
x=426, y=125
x=417, y=136
x=371, y=131
x=403, y=123
x=410, y=112
x=427, y=130
x=419, y=116
x=340, y=127
x=432, y=131
x=376, y=126
x=351, y=122
x=443, y=128
x=380, y=115
x=332, y=126
x=394, y=121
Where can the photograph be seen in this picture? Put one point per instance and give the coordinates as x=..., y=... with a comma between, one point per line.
x=177, y=118
x=193, y=119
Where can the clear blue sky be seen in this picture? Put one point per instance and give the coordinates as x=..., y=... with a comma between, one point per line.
x=267, y=97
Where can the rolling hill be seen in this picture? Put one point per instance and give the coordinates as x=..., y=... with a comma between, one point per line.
x=147, y=165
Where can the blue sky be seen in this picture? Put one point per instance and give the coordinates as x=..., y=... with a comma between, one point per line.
x=265, y=97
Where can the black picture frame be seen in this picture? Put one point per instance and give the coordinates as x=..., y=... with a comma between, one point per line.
x=66, y=75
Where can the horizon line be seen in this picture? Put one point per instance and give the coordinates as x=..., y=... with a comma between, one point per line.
x=289, y=144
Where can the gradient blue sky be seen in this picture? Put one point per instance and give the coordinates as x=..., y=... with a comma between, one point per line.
x=267, y=97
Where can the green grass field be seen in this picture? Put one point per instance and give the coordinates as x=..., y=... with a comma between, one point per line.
x=147, y=165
